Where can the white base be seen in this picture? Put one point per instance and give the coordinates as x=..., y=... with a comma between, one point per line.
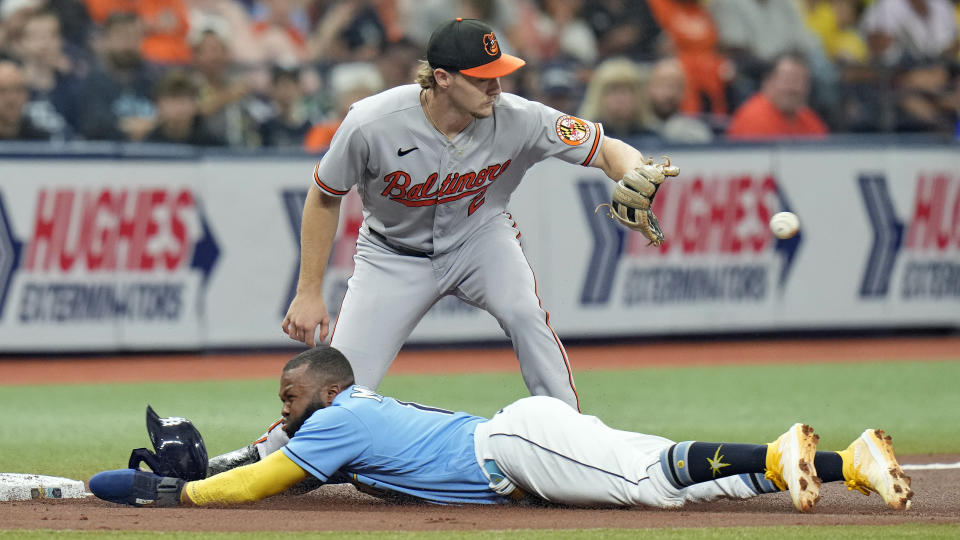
x=23, y=487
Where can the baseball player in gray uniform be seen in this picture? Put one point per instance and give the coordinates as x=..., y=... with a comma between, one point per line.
x=435, y=164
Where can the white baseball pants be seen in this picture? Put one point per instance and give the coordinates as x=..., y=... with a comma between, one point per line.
x=549, y=450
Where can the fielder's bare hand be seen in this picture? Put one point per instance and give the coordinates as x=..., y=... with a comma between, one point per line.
x=304, y=315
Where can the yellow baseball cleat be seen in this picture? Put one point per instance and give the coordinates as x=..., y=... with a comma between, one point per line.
x=869, y=465
x=790, y=465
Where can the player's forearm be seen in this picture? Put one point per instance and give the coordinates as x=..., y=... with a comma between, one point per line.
x=321, y=214
x=617, y=157
x=274, y=474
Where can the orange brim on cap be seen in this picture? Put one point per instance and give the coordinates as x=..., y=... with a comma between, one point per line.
x=500, y=67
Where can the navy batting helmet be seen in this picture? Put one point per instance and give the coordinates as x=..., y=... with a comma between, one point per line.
x=180, y=451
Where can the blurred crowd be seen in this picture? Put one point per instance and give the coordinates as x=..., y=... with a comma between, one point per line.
x=282, y=73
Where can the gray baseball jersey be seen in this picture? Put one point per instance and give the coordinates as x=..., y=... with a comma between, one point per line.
x=427, y=193
x=434, y=224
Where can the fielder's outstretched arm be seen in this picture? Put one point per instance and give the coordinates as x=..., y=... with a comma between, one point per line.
x=616, y=157
x=321, y=215
x=274, y=474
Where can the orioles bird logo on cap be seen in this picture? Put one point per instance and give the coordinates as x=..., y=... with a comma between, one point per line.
x=490, y=44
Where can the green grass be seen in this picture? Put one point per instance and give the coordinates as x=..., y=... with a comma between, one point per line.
x=907, y=531
x=917, y=403
x=77, y=430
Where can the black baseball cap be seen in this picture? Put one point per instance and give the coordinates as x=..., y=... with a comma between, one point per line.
x=470, y=47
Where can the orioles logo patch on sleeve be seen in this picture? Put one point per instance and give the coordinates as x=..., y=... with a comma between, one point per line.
x=572, y=130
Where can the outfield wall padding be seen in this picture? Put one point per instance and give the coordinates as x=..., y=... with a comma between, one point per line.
x=115, y=251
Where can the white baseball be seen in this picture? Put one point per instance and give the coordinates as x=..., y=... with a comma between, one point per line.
x=784, y=225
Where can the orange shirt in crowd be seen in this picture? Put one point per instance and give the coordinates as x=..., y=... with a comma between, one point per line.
x=165, y=26
x=694, y=35
x=100, y=10
x=318, y=138
x=758, y=118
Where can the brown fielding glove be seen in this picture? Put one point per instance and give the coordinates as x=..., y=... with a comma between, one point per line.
x=634, y=195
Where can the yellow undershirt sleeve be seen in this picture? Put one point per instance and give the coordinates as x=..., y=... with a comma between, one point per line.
x=274, y=474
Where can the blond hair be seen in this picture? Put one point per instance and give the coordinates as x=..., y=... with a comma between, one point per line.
x=425, y=77
x=611, y=72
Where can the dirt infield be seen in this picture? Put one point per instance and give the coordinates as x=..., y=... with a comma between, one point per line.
x=332, y=508
x=937, y=497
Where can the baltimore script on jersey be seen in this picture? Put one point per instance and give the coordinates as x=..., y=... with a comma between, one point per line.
x=454, y=187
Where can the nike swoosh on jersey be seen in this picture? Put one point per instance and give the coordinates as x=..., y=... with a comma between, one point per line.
x=401, y=152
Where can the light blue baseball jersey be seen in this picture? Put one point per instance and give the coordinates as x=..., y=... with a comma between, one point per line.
x=394, y=445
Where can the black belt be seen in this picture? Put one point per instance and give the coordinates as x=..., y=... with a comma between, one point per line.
x=403, y=250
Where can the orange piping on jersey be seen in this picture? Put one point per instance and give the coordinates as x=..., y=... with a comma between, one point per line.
x=515, y=226
x=269, y=429
x=596, y=144
x=321, y=185
x=556, y=338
